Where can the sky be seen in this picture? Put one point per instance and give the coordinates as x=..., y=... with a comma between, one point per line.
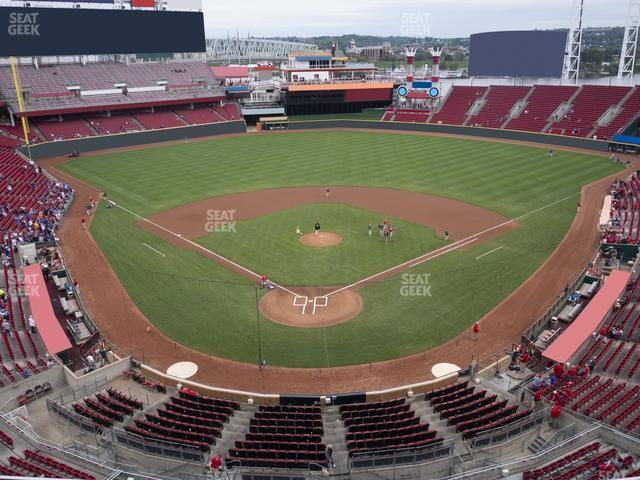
x=437, y=18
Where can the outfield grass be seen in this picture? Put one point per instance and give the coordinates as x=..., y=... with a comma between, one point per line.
x=270, y=244
x=205, y=306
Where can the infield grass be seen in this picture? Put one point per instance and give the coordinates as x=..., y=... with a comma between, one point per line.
x=203, y=305
x=269, y=244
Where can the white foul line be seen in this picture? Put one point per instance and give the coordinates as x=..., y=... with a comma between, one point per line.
x=217, y=255
x=485, y=254
x=418, y=260
x=410, y=263
x=466, y=241
x=151, y=248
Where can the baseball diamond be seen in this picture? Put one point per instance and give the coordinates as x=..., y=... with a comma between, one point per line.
x=485, y=194
x=407, y=253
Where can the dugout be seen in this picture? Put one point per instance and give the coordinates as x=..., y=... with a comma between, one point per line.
x=273, y=123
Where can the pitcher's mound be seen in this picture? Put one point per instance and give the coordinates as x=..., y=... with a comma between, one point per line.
x=279, y=307
x=323, y=239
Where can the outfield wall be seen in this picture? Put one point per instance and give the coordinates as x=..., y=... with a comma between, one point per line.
x=131, y=139
x=508, y=135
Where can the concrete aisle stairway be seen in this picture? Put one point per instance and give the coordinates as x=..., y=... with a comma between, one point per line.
x=335, y=434
x=236, y=429
x=423, y=410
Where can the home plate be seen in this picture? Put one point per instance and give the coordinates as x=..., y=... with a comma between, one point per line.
x=444, y=369
x=182, y=369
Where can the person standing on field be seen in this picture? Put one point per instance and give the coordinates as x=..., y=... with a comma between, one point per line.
x=446, y=234
x=476, y=330
x=370, y=228
x=317, y=228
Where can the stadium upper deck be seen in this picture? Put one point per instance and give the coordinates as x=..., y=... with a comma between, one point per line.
x=68, y=88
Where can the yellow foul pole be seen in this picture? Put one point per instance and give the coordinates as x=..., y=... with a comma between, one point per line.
x=16, y=84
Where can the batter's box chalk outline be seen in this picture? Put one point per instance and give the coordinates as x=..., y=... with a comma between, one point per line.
x=317, y=303
x=297, y=302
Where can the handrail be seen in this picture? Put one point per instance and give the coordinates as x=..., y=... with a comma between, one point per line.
x=527, y=459
x=401, y=451
x=494, y=431
x=548, y=313
x=571, y=426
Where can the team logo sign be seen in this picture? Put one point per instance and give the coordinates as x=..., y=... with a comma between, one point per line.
x=403, y=91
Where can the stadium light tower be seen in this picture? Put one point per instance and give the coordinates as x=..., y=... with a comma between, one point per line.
x=571, y=67
x=629, y=44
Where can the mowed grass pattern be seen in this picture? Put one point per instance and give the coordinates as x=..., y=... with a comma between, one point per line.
x=269, y=244
x=203, y=305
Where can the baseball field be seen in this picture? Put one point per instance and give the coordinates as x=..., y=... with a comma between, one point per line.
x=195, y=222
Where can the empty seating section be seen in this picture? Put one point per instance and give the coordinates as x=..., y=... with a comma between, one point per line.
x=48, y=79
x=93, y=76
x=232, y=111
x=6, y=141
x=6, y=440
x=159, y=119
x=588, y=106
x=186, y=420
x=473, y=411
x=67, y=129
x=542, y=103
x=15, y=132
x=282, y=436
x=629, y=112
x=51, y=129
x=385, y=426
x=228, y=111
x=415, y=116
x=198, y=115
x=48, y=86
x=500, y=101
x=55, y=466
x=115, y=124
x=108, y=407
x=457, y=104
x=591, y=461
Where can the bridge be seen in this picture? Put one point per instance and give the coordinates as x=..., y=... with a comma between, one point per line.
x=252, y=49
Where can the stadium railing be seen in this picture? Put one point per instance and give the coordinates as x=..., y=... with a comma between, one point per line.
x=536, y=327
x=88, y=457
x=508, y=432
x=592, y=432
x=401, y=457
